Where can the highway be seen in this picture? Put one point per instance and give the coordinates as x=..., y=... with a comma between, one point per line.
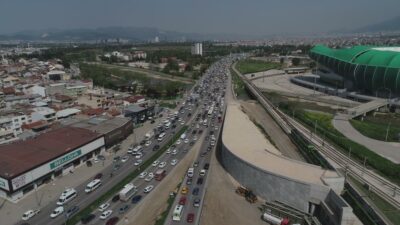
x=381, y=186
x=197, y=186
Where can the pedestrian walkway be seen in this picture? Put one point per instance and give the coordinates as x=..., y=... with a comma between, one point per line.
x=388, y=150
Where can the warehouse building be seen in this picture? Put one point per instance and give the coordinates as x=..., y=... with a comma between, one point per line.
x=366, y=69
x=24, y=165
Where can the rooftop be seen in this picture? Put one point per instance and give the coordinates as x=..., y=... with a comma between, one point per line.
x=255, y=149
x=22, y=156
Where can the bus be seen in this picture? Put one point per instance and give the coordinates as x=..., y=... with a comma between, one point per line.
x=177, y=214
x=160, y=174
x=128, y=191
x=92, y=185
x=67, y=196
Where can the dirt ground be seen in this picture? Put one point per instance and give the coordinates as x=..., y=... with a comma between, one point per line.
x=222, y=205
x=280, y=139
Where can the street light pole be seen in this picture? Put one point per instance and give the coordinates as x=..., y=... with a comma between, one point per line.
x=387, y=132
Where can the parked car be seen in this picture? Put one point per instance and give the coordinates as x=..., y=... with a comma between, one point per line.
x=71, y=211
x=148, y=189
x=123, y=209
x=30, y=213
x=112, y=221
x=200, y=181
x=143, y=175
x=182, y=200
x=115, y=198
x=206, y=166
x=189, y=181
x=104, y=206
x=196, y=202
x=195, y=191
x=98, y=176
x=190, y=218
x=57, y=211
x=184, y=190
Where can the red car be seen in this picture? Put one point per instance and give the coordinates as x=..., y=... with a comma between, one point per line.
x=190, y=218
x=182, y=200
x=112, y=221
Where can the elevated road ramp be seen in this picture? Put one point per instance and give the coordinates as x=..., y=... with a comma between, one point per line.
x=363, y=109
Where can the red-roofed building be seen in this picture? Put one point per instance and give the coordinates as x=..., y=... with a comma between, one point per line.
x=94, y=112
x=25, y=164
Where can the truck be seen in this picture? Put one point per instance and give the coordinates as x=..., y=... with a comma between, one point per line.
x=149, y=135
x=248, y=194
x=127, y=192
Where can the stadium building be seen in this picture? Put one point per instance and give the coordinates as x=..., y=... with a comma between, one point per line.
x=366, y=69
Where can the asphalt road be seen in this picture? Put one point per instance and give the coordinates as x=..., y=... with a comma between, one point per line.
x=213, y=126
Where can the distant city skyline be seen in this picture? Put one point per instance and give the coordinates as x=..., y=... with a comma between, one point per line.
x=205, y=17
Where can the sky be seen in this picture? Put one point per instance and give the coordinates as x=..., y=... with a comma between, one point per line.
x=250, y=17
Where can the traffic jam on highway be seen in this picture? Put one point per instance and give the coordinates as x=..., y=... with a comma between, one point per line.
x=202, y=110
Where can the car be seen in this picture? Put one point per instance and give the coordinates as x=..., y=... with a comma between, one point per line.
x=143, y=175
x=206, y=166
x=212, y=143
x=202, y=172
x=57, y=211
x=175, y=151
x=123, y=209
x=182, y=200
x=174, y=162
x=216, y=128
x=138, y=156
x=125, y=158
x=196, y=202
x=189, y=181
x=191, y=143
x=178, y=142
x=199, y=181
x=71, y=211
x=195, y=191
x=190, y=218
x=207, y=138
x=98, y=176
x=103, y=206
x=106, y=214
x=116, y=158
x=148, y=188
x=195, y=138
x=101, y=157
x=138, y=162
x=136, y=199
x=168, y=151
x=30, y=213
x=153, y=121
x=162, y=164
x=115, y=198
x=182, y=122
x=186, y=140
x=196, y=164
x=89, y=163
x=184, y=190
x=155, y=163
x=149, y=177
x=156, y=147
x=112, y=221
x=88, y=218
x=148, y=143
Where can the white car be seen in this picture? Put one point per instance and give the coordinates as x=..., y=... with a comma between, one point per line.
x=148, y=143
x=148, y=189
x=149, y=177
x=162, y=165
x=168, y=151
x=106, y=214
x=216, y=128
x=195, y=138
x=202, y=172
x=155, y=163
x=182, y=122
x=125, y=158
x=143, y=175
x=138, y=162
x=57, y=211
x=29, y=214
x=175, y=151
x=186, y=140
x=104, y=206
x=138, y=156
x=174, y=162
x=178, y=142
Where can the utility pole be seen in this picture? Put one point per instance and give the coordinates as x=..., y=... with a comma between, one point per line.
x=387, y=132
x=363, y=170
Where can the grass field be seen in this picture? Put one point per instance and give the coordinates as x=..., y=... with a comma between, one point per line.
x=253, y=66
x=239, y=87
x=377, y=130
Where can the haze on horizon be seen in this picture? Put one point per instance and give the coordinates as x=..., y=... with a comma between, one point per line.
x=253, y=17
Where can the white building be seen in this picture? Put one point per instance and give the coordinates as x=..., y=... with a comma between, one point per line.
x=34, y=90
x=197, y=49
x=43, y=113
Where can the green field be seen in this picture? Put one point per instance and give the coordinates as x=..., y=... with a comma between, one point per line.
x=239, y=86
x=252, y=66
x=377, y=130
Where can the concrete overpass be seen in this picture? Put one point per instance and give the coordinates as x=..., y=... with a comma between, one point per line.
x=363, y=109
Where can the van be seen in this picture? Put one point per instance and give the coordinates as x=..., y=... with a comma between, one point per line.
x=67, y=196
x=190, y=172
x=161, y=136
x=93, y=185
